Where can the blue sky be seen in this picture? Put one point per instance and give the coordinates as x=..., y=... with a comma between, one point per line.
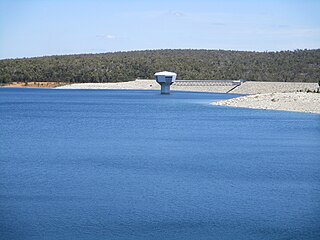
x=54, y=27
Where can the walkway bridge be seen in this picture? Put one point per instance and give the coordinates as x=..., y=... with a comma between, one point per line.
x=208, y=82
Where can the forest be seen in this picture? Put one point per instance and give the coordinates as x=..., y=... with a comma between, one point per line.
x=284, y=66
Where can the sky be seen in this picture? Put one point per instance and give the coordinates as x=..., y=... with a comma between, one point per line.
x=30, y=28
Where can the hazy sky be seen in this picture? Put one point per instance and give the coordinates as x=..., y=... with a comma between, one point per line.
x=54, y=27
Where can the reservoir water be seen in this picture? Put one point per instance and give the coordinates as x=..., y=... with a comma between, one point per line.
x=84, y=164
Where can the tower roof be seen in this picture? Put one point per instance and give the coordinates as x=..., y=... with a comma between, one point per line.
x=165, y=73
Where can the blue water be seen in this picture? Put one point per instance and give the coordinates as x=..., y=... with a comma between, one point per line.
x=80, y=164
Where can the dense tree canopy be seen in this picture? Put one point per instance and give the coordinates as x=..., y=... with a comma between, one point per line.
x=298, y=66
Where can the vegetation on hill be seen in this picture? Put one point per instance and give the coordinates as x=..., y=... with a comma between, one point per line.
x=296, y=66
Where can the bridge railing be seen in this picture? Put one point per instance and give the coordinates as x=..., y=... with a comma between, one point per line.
x=208, y=82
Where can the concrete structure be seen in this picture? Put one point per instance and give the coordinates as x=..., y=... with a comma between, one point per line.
x=165, y=79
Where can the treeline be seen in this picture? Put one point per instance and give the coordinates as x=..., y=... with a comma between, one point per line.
x=291, y=66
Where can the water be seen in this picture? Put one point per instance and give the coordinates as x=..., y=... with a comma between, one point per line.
x=78, y=164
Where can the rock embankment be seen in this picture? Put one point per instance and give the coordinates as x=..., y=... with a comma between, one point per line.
x=146, y=85
x=266, y=95
x=253, y=87
x=295, y=102
x=249, y=87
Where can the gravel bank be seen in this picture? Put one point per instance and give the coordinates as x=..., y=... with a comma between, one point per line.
x=132, y=85
x=145, y=85
x=267, y=95
x=248, y=87
x=253, y=87
x=294, y=102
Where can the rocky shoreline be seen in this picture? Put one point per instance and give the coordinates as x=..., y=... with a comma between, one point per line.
x=294, y=102
x=284, y=96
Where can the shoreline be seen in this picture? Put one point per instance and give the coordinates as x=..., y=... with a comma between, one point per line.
x=33, y=85
x=293, y=102
x=248, y=87
x=281, y=96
